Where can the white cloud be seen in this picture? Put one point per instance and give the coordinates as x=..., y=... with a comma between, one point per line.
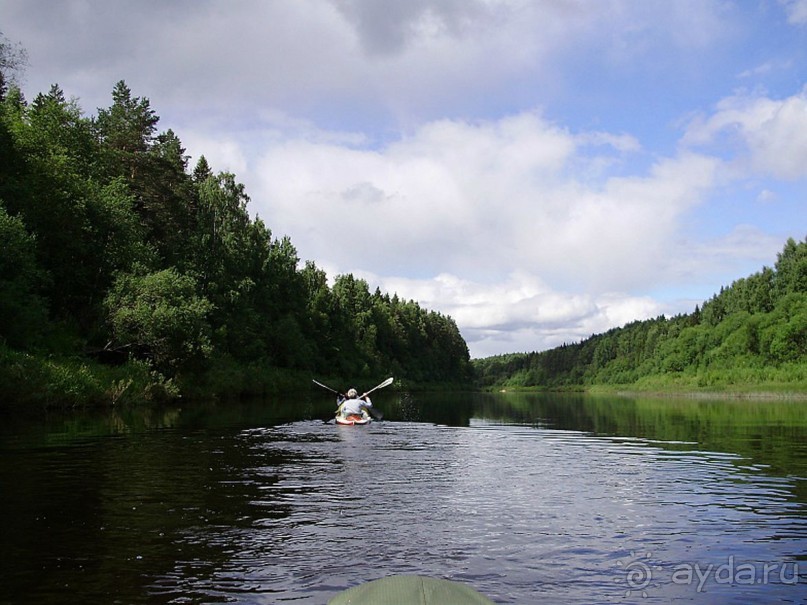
x=773, y=132
x=766, y=68
x=519, y=313
x=223, y=154
x=741, y=251
x=473, y=197
x=490, y=222
x=796, y=11
x=766, y=196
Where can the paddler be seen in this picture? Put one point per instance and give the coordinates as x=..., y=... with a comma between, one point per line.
x=354, y=404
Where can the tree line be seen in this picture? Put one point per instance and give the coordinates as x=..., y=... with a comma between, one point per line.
x=752, y=333
x=114, y=249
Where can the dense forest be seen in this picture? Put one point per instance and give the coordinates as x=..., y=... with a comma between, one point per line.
x=126, y=274
x=751, y=334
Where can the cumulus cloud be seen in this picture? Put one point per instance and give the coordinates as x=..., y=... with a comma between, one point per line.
x=520, y=312
x=497, y=223
x=472, y=197
x=771, y=133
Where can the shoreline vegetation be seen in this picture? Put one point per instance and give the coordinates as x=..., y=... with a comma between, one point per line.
x=32, y=382
x=748, y=393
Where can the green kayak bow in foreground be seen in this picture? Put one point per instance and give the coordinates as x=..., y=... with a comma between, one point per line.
x=410, y=590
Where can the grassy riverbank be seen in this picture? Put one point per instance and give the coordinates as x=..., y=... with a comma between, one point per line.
x=46, y=381
x=31, y=381
x=664, y=386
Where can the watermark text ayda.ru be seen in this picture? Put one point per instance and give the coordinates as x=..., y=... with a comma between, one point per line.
x=639, y=573
x=733, y=572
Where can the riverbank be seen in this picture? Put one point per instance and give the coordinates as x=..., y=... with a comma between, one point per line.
x=30, y=381
x=679, y=390
x=786, y=382
x=47, y=381
x=760, y=393
x=763, y=392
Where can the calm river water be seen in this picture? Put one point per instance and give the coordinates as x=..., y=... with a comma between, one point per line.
x=527, y=498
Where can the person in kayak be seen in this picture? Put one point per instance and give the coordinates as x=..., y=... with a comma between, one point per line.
x=353, y=404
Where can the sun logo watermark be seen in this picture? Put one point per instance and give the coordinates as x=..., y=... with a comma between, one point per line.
x=638, y=573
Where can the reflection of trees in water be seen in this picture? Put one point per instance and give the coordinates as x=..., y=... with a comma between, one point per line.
x=765, y=432
x=450, y=409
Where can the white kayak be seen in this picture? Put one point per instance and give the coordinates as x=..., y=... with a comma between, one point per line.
x=353, y=419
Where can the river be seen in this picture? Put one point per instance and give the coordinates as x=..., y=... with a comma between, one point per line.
x=526, y=498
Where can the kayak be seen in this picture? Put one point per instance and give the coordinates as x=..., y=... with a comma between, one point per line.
x=353, y=419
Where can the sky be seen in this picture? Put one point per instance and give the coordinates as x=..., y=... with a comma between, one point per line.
x=539, y=170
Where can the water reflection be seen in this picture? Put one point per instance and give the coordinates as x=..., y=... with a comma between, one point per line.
x=766, y=433
x=772, y=432
x=526, y=497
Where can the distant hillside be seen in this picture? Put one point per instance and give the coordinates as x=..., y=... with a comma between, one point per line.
x=751, y=334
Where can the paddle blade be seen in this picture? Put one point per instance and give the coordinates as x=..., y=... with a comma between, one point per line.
x=386, y=383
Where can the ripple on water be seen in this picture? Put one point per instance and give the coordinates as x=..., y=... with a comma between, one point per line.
x=517, y=511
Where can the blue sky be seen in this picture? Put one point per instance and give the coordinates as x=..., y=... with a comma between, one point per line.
x=540, y=170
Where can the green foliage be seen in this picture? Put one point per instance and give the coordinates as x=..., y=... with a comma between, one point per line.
x=47, y=186
x=791, y=269
x=784, y=335
x=30, y=380
x=22, y=311
x=162, y=315
x=751, y=333
x=112, y=246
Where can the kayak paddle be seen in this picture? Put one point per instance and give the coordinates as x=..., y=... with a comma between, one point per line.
x=373, y=412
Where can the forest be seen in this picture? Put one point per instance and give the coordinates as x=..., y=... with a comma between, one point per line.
x=751, y=335
x=127, y=275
